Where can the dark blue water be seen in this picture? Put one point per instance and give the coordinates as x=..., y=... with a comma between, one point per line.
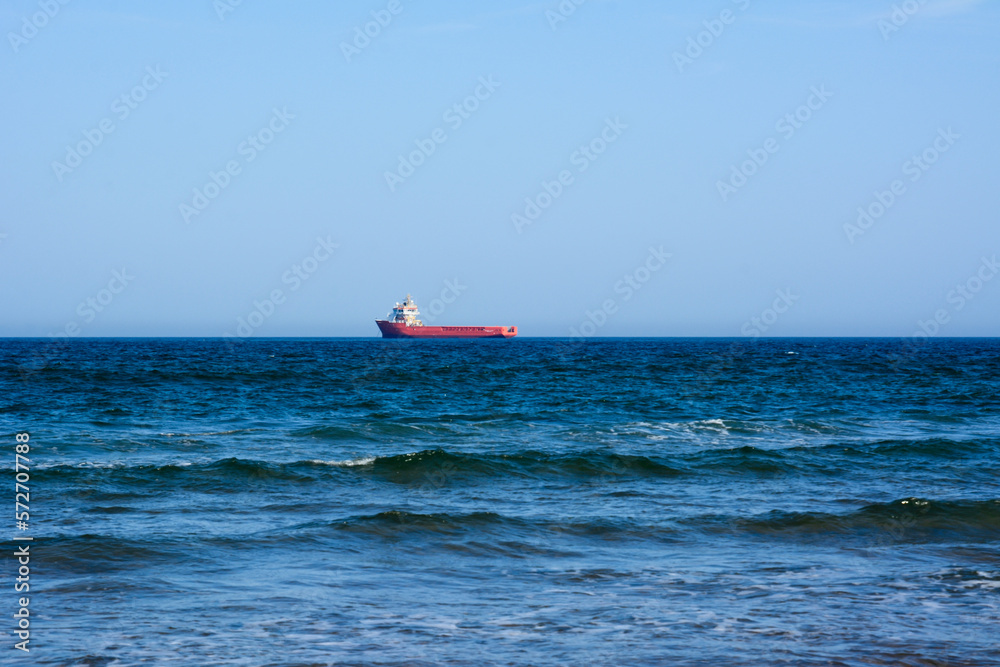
x=524, y=502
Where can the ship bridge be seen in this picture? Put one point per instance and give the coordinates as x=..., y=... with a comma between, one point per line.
x=406, y=313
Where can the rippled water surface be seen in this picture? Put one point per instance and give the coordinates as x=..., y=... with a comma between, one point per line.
x=524, y=502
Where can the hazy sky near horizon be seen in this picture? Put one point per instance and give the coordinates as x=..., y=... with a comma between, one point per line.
x=723, y=168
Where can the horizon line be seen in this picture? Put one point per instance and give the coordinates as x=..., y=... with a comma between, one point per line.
x=581, y=338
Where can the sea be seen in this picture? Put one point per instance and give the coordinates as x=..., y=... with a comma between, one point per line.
x=504, y=502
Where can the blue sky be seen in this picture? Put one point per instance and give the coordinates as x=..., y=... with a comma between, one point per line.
x=698, y=168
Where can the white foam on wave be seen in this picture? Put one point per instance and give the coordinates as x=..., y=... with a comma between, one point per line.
x=686, y=427
x=112, y=465
x=84, y=465
x=195, y=435
x=350, y=463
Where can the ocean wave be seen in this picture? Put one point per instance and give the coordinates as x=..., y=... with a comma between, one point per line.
x=394, y=521
x=221, y=476
x=377, y=430
x=948, y=448
x=201, y=434
x=716, y=426
x=487, y=527
x=532, y=464
x=908, y=520
x=348, y=463
x=903, y=448
x=745, y=459
x=84, y=553
x=438, y=466
x=334, y=434
x=432, y=465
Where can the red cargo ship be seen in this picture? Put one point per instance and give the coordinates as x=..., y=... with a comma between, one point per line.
x=403, y=323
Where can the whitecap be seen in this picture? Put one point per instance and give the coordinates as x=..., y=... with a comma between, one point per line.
x=346, y=464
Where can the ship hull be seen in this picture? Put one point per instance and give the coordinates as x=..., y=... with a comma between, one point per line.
x=401, y=330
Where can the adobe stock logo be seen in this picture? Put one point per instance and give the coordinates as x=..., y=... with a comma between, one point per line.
x=223, y=7
x=787, y=126
x=959, y=297
x=627, y=287
x=581, y=158
x=122, y=107
x=454, y=116
x=562, y=12
x=249, y=149
x=294, y=277
x=757, y=326
x=363, y=35
x=899, y=17
x=914, y=168
x=93, y=305
x=714, y=28
x=30, y=27
x=449, y=294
